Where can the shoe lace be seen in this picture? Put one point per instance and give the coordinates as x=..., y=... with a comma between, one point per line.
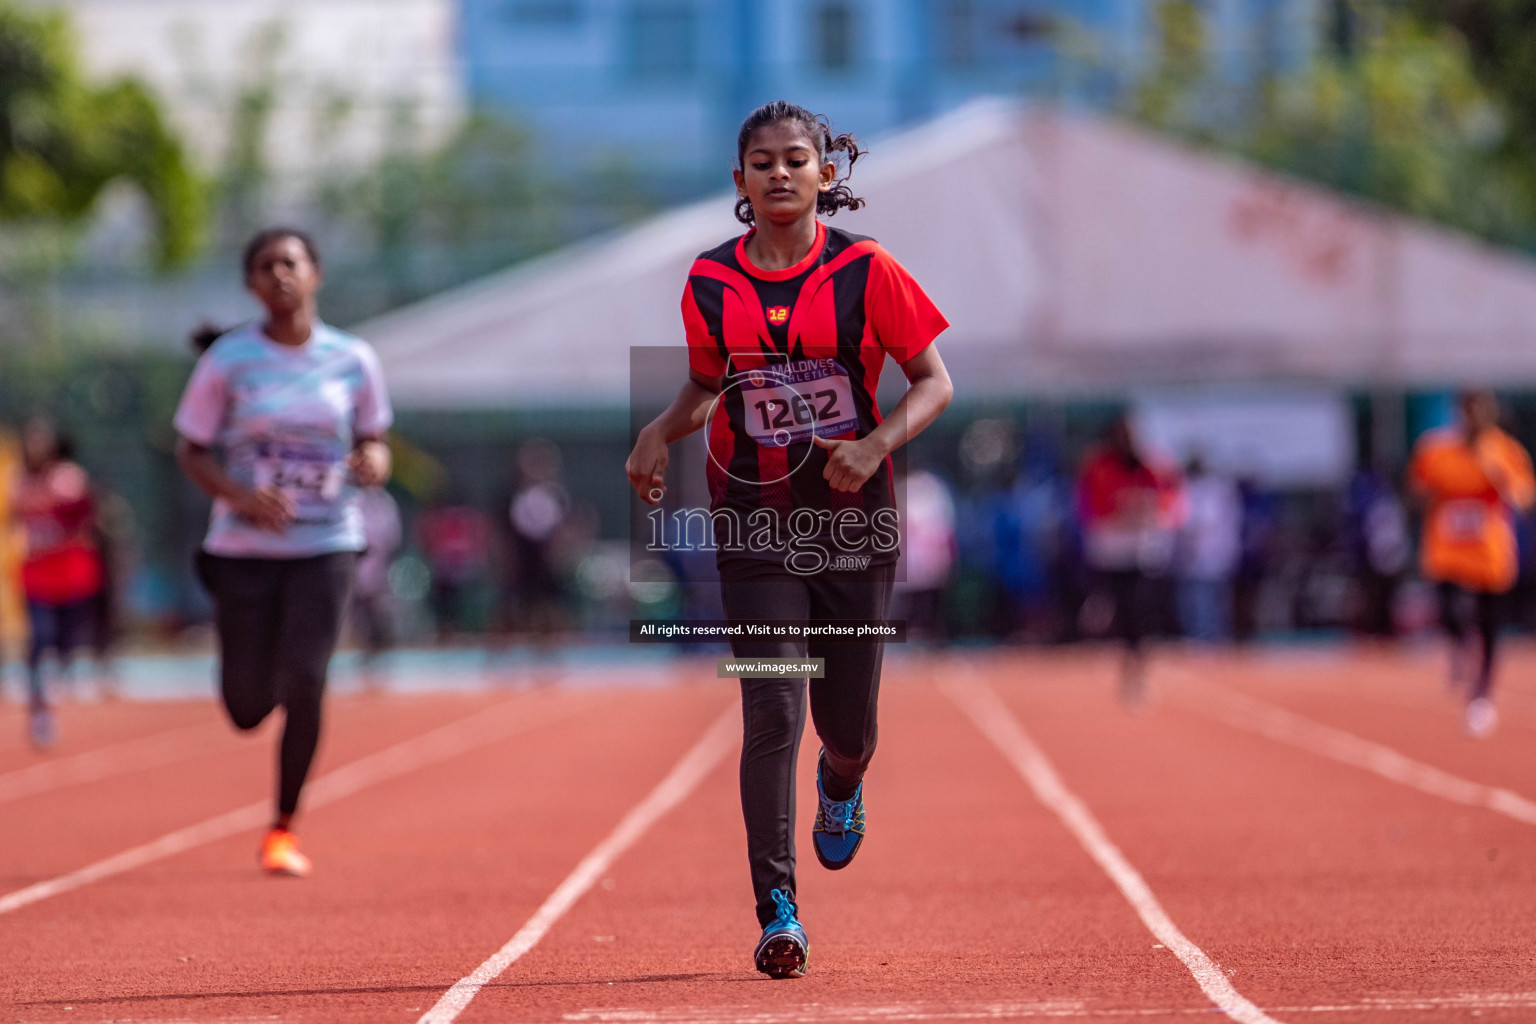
x=785, y=907
x=839, y=815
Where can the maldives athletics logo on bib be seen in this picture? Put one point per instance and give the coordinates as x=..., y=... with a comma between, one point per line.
x=778, y=315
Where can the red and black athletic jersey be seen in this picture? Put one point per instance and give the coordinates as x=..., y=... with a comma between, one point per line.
x=801, y=350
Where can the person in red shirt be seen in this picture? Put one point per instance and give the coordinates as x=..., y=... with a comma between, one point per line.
x=788, y=327
x=1129, y=508
x=455, y=539
x=61, y=573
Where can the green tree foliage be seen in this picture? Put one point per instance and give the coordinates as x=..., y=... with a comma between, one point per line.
x=431, y=217
x=1401, y=120
x=242, y=183
x=1394, y=112
x=1170, y=90
x=478, y=189
x=1501, y=38
x=63, y=140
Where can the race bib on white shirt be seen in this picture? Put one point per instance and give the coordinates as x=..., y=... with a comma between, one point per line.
x=308, y=475
x=785, y=404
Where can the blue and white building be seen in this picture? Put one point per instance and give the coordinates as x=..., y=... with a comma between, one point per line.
x=664, y=83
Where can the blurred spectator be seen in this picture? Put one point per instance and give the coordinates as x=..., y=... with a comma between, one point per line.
x=1210, y=544
x=1260, y=531
x=1377, y=539
x=455, y=541
x=1130, y=508
x=114, y=532
x=13, y=614
x=1003, y=557
x=62, y=572
x=372, y=604
x=537, y=515
x=927, y=556
x=1032, y=558
x=1522, y=599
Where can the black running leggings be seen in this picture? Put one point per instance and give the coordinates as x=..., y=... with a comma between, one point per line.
x=1128, y=593
x=843, y=706
x=1488, y=617
x=278, y=621
x=62, y=627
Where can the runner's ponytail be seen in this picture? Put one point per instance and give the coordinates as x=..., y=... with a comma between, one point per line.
x=204, y=335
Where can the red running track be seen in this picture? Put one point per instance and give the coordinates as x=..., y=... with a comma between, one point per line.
x=1316, y=888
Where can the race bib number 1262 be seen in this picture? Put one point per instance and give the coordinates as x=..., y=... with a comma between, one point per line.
x=306, y=476
x=785, y=404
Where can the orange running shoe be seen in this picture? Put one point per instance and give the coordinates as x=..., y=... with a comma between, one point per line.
x=280, y=854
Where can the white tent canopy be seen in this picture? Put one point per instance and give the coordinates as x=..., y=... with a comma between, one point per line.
x=1069, y=253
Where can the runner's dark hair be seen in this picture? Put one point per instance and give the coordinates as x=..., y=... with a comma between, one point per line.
x=261, y=238
x=819, y=131
x=204, y=335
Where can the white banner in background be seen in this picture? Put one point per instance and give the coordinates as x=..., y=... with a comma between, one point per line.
x=1283, y=437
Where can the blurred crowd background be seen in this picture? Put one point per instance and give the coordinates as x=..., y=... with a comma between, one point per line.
x=1276, y=234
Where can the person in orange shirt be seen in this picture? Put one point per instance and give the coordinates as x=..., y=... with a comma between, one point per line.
x=1474, y=478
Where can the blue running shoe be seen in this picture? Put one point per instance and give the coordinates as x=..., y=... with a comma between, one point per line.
x=839, y=827
x=783, y=951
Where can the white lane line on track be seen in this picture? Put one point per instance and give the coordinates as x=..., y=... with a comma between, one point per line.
x=440, y=744
x=816, y=1013
x=117, y=759
x=986, y=709
x=1427, y=695
x=718, y=740
x=1250, y=714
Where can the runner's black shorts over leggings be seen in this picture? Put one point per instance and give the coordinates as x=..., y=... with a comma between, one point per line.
x=843, y=705
x=278, y=621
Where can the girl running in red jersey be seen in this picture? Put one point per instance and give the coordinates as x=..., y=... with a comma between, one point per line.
x=298, y=410
x=61, y=573
x=788, y=327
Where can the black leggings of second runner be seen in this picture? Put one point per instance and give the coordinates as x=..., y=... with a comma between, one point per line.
x=278, y=622
x=843, y=706
x=1128, y=593
x=1489, y=617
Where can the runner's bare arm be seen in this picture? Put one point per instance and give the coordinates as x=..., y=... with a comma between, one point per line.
x=851, y=463
x=371, y=462
x=268, y=508
x=1522, y=482
x=647, y=463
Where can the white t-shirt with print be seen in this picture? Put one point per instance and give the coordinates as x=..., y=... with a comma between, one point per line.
x=287, y=416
